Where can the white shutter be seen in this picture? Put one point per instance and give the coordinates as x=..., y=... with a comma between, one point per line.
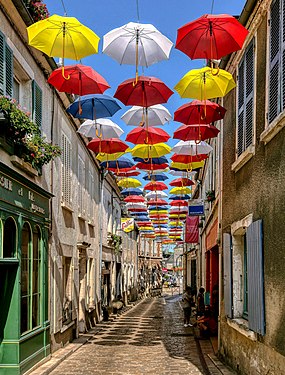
x=227, y=258
x=66, y=169
x=81, y=184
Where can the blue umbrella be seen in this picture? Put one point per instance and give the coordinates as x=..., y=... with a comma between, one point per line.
x=154, y=208
x=160, y=225
x=132, y=191
x=160, y=160
x=94, y=106
x=121, y=162
x=142, y=218
x=155, y=177
x=139, y=213
x=178, y=197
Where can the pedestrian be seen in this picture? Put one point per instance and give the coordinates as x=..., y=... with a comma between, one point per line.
x=186, y=302
x=200, y=302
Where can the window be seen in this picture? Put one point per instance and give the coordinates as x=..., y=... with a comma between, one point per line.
x=245, y=126
x=37, y=104
x=81, y=185
x=91, y=190
x=6, y=68
x=243, y=273
x=66, y=170
x=30, y=278
x=9, y=239
x=90, y=292
x=67, y=278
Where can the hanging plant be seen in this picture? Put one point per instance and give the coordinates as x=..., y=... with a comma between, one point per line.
x=38, y=10
x=116, y=242
x=210, y=194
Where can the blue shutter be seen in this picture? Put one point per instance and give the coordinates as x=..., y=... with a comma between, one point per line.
x=227, y=257
x=275, y=56
x=2, y=64
x=256, y=308
x=241, y=109
x=9, y=71
x=37, y=104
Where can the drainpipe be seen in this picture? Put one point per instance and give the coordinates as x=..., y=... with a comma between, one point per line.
x=102, y=177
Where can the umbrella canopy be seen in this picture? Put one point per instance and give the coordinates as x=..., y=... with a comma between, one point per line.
x=181, y=182
x=160, y=160
x=108, y=146
x=136, y=209
x=151, y=151
x=155, y=186
x=121, y=162
x=156, y=194
x=110, y=157
x=205, y=84
x=180, y=197
x=179, y=203
x=179, y=173
x=82, y=80
x=132, y=191
x=188, y=158
x=199, y=112
x=150, y=135
x=146, y=92
x=94, y=106
x=102, y=128
x=211, y=36
x=187, y=167
x=180, y=190
x=153, y=115
x=129, y=182
x=157, y=202
x=196, y=132
x=191, y=148
x=60, y=36
x=125, y=173
x=155, y=177
x=151, y=167
x=134, y=198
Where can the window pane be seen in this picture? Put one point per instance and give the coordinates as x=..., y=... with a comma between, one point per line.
x=25, y=270
x=9, y=240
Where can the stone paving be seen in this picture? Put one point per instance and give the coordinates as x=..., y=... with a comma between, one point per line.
x=148, y=339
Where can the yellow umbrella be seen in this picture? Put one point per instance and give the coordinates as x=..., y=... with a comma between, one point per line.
x=145, y=228
x=150, y=151
x=156, y=212
x=188, y=166
x=177, y=216
x=64, y=37
x=111, y=157
x=205, y=83
x=180, y=190
x=129, y=182
x=176, y=223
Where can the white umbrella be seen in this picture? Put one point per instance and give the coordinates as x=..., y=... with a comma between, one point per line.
x=136, y=205
x=157, y=194
x=101, y=128
x=182, y=173
x=191, y=148
x=153, y=116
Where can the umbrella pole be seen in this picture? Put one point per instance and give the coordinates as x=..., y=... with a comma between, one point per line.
x=63, y=51
x=137, y=56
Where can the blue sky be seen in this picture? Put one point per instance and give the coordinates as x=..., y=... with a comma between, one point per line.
x=166, y=15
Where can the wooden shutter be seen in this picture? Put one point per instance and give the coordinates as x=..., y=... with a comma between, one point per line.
x=2, y=64
x=245, y=100
x=66, y=169
x=227, y=257
x=81, y=184
x=274, y=63
x=9, y=71
x=256, y=310
x=37, y=104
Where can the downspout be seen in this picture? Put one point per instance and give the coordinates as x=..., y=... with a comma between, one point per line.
x=101, y=238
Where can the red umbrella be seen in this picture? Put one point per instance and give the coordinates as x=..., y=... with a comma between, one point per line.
x=120, y=173
x=181, y=182
x=143, y=223
x=83, y=80
x=151, y=167
x=188, y=158
x=122, y=170
x=211, y=36
x=195, y=132
x=150, y=135
x=158, y=216
x=147, y=91
x=134, y=198
x=108, y=146
x=199, y=112
x=179, y=203
x=135, y=209
x=155, y=185
x=156, y=202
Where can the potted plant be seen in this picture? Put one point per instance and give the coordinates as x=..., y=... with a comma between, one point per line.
x=37, y=9
x=210, y=195
x=116, y=242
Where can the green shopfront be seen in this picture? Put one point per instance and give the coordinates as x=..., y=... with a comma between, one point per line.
x=24, y=325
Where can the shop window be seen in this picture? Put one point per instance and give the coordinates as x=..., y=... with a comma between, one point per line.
x=30, y=278
x=9, y=238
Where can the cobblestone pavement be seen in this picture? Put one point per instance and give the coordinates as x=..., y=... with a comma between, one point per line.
x=148, y=339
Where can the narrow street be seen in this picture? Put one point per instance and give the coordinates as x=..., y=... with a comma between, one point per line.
x=149, y=338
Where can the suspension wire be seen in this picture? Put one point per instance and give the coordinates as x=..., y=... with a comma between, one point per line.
x=212, y=7
x=64, y=8
x=138, y=13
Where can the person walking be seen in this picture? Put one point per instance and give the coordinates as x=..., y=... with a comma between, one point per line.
x=186, y=302
x=200, y=302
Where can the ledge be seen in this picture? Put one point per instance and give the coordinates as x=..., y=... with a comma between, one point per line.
x=274, y=128
x=241, y=325
x=21, y=164
x=243, y=158
x=65, y=327
x=67, y=207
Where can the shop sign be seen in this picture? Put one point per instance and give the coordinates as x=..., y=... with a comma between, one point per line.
x=127, y=224
x=196, y=207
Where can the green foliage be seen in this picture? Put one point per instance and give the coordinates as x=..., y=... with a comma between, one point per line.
x=37, y=9
x=116, y=241
x=210, y=194
x=26, y=135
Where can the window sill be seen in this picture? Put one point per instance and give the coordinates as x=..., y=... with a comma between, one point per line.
x=19, y=163
x=241, y=325
x=67, y=207
x=91, y=223
x=243, y=158
x=82, y=217
x=66, y=327
x=273, y=129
